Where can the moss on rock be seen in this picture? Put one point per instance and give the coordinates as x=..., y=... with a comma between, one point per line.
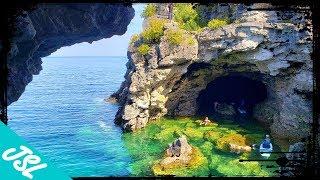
x=147, y=148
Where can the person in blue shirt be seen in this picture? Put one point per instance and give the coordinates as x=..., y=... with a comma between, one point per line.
x=266, y=143
x=266, y=147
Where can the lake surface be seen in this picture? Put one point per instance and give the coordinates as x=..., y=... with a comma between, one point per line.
x=62, y=114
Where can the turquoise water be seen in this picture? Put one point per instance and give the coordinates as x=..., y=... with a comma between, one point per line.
x=62, y=113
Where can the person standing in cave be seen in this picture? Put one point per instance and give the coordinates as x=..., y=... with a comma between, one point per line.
x=215, y=105
x=241, y=108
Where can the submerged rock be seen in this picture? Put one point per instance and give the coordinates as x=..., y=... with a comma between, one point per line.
x=294, y=162
x=178, y=156
x=178, y=152
x=111, y=100
x=239, y=149
x=179, y=148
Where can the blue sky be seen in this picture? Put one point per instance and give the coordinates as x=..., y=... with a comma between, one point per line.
x=114, y=46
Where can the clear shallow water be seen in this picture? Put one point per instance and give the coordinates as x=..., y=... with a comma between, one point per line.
x=62, y=114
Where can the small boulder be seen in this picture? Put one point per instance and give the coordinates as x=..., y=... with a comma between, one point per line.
x=179, y=147
x=111, y=100
x=178, y=152
x=239, y=149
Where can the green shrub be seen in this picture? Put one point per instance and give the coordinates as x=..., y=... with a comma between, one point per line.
x=178, y=37
x=143, y=49
x=154, y=31
x=190, y=41
x=216, y=23
x=186, y=16
x=134, y=38
x=149, y=11
x=175, y=36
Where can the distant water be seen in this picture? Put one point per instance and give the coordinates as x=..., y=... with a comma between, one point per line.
x=62, y=113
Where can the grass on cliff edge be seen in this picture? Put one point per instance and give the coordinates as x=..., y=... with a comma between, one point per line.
x=147, y=146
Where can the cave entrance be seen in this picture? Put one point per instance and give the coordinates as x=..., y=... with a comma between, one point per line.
x=231, y=95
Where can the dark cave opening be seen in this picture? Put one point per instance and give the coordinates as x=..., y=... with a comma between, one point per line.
x=238, y=92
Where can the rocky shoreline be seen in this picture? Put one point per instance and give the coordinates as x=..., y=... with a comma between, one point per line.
x=268, y=46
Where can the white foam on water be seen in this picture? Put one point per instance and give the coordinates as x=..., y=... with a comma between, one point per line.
x=104, y=126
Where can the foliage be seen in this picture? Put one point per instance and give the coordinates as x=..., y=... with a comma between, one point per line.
x=134, y=38
x=143, y=49
x=147, y=147
x=190, y=41
x=186, y=16
x=193, y=19
x=149, y=11
x=175, y=36
x=216, y=23
x=154, y=31
x=179, y=37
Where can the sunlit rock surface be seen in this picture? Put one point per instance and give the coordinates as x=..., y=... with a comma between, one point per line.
x=269, y=46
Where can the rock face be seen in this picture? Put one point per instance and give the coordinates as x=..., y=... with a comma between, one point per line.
x=51, y=26
x=294, y=163
x=178, y=148
x=269, y=46
x=226, y=109
x=178, y=152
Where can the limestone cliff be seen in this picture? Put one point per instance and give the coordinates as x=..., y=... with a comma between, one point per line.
x=270, y=46
x=48, y=27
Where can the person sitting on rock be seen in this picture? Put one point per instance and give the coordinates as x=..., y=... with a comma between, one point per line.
x=266, y=143
x=205, y=122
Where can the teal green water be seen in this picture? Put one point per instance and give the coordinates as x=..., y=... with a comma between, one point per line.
x=63, y=115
